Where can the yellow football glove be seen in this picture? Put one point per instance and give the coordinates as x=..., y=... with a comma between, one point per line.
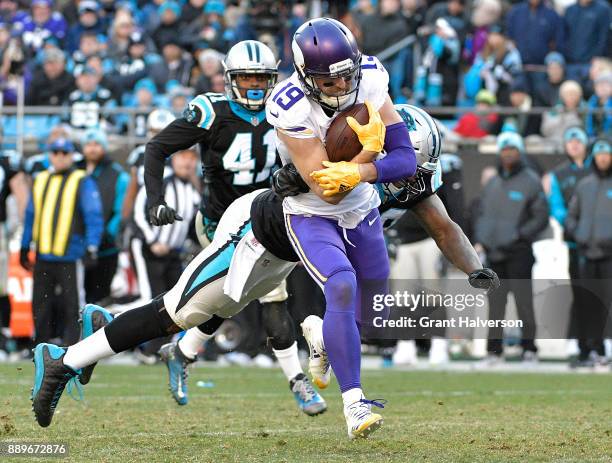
x=371, y=135
x=339, y=177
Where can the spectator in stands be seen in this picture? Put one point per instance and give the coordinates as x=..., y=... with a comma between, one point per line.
x=89, y=22
x=495, y=68
x=210, y=27
x=437, y=76
x=73, y=234
x=112, y=182
x=51, y=84
x=179, y=97
x=600, y=124
x=599, y=66
x=525, y=123
x=485, y=14
x=414, y=14
x=177, y=63
x=149, y=15
x=138, y=63
x=169, y=27
x=191, y=10
x=563, y=180
x=588, y=223
x=546, y=92
x=89, y=45
x=145, y=92
x=41, y=24
x=587, y=24
x=475, y=125
x=13, y=71
x=217, y=83
x=536, y=30
x=565, y=113
x=121, y=30
x=513, y=212
x=452, y=11
x=381, y=30
x=87, y=103
x=209, y=64
x=9, y=11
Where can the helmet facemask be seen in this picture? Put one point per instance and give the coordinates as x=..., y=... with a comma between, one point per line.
x=349, y=70
x=253, y=99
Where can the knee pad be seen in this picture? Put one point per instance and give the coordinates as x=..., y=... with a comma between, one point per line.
x=278, y=325
x=341, y=290
x=278, y=294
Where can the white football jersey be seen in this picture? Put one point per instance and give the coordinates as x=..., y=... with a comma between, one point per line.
x=289, y=110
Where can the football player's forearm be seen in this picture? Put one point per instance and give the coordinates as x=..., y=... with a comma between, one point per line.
x=449, y=237
x=458, y=250
x=400, y=161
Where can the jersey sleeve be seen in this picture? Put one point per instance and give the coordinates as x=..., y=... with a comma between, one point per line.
x=374, y=85
x=288, y=110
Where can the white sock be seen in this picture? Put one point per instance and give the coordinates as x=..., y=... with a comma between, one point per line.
x=88, y=351
x=289, y=361
x=352, y=396
x=191, y=343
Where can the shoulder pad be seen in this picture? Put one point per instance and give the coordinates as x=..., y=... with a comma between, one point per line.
x=374, y=85
x=200, y=112
x=288, y=108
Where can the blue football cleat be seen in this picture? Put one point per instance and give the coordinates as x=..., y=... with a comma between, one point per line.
x=50, y=379
x=177, y=364
x=309, y=400
x=93, y=318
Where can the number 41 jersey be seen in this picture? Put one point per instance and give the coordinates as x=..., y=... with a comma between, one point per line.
x=237, y=148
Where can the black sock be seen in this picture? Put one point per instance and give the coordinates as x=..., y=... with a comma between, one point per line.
x=136, y=326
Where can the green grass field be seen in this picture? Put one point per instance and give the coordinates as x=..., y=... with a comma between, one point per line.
x=249, y=416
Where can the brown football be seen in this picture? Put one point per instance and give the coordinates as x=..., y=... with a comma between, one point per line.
x=341, y=143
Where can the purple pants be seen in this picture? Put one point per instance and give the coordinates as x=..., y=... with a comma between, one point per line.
x=348, y=264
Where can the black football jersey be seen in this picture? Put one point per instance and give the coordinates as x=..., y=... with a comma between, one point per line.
x=237, y=148
x=86, y=109
x=10, y=164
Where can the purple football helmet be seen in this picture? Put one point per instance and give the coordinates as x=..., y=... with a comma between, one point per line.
x=325, y=48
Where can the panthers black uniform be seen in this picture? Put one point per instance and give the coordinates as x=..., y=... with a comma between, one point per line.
x=10, y=165
x=237, y=147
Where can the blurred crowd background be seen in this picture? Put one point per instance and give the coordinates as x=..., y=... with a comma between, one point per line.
x=75, y=72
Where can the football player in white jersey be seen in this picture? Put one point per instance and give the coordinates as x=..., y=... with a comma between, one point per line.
x=335, y=228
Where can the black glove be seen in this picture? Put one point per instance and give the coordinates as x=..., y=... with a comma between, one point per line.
x=485, y=278
x=90, y=258
x=287, y=181
x=162, y=214
x=24, y=260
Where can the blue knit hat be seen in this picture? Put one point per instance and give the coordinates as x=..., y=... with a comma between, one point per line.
x=601, y=147
x=169, y=5
x=96, y=135
x=510, y=140
x=146, y=84
x=576, y=133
